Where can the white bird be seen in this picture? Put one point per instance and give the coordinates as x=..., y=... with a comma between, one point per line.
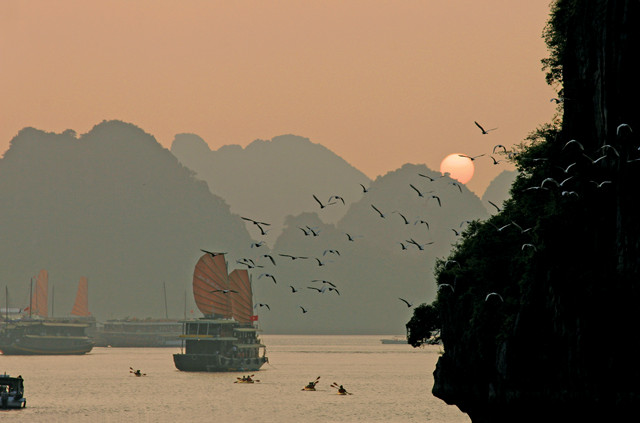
x=607, y=146
x=573, y=142
x=270, y=258
x=422, y=222
x=446, y=263
x=596, y=160
x=446, y=285
x=501, y=228
x=495, y=162
x=406, y=302
x=471, y=157
x=568, y=193
x=437, y=198
x=336, y=197
x=566, y=170
x=557, y=100
x=493, y=294
x=484, y=131
x=293, y=257
x=455, y=232
x=322, y=206
x=404, y=247
x=529, y=246
x=621, y=127
x=336, y=252
x=364, y=189
x=455, y=184
x=600, y=184
x=212, y=254
x=499, y=146
x=324, y=282
x=293, y=289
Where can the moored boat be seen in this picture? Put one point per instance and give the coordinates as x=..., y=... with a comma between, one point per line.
x=225, y=339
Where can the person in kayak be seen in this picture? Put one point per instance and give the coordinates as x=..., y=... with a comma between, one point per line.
x=341, y=390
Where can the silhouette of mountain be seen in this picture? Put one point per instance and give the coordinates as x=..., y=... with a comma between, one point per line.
x=372, y=271
x=499, y=189
x=112, y=205
x=268, y=180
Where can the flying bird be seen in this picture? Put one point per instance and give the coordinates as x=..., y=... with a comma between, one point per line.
x=422, y=222
x=471, y=157
x=404, y=247
x=293, y=257
x=293, y=289
x=484, y=131
x=596, y=160
x=437, y=198
x=455, y=184
x=364, y=189
x=406, y=222
x=322, y=206
x=324, y=282
x=416, y=190
x=352, y=238
x=499, y=146
x=305, y=231
x=270, y=258
x=336, y=252
x=493, y=294
x=314, y=233
x=497, y=208
x=557, y=100
x=455, y=232
x=566, y=169
x=429, y=177
x=320, y=290
x=257, y=244
x=212, y=254
x=406, y=302
x=320, y=262
x=529, y=246
x=601, y=184
x=580, y=146
x=446, y=285
x=304, y=310
x=262, y=305
x=495, y=162
x=621, y=127
x=224, y=291
x=607, y=146
x=268, y=275
x=336, y=197
x=446, y=263
x=379, y=212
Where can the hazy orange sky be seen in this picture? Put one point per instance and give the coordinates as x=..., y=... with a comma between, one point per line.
x=380, y=83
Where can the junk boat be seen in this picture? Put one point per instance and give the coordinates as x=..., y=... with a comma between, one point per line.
x=38, y=334
x=225, y=339
x=140, y=333
x=12, y=392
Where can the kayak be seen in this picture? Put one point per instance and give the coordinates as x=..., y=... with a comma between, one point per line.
x=306, y=388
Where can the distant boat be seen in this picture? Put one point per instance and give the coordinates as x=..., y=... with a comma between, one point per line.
x=395, y=340
x=140, y=333
x=225, y=339
x=39, y=334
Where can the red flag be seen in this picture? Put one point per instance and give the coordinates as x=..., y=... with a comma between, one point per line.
x=254, y=318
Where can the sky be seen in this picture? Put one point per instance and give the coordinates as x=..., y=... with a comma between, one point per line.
x=380, y=83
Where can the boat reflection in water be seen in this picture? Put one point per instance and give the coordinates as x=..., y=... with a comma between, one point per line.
x=226, y=338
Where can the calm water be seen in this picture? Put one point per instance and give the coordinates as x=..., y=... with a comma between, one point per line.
x=390, y=383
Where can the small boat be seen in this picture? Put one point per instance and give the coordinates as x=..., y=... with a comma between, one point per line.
x=394, y=340
x=12, y=392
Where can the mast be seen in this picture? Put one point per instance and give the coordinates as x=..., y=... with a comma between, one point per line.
x=166, y=310
x=53, y=296
x=30, y=297
x=6, y=300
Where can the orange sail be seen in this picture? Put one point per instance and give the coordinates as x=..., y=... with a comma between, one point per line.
x=39, y=299
x=241, y=301
x=81, y=306
x=219, y=294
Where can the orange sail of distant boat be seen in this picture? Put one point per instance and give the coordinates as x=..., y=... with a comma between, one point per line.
x=39, y=299
x=81, y=306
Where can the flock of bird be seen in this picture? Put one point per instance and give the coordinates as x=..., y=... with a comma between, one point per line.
x=324, y=287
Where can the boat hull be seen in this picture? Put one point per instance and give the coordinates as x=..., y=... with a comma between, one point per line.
x=25, y=346
x=216, y=363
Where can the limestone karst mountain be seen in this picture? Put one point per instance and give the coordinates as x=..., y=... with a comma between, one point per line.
x=498, y=190
x=268, y=180
x=371, y=260
x=112, y=205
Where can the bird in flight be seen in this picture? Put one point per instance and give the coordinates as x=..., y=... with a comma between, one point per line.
x=224, y=291
x=336, y=197
x=322, y=206
x=406, y=302
x=364, y=189
x=212, y=254
x=323, y=281
x=493, y=294
x=416, y=190
x=471, y=157
x=499, y=146
x=422, y=222
x=495, y=162
x=437, y=198
x=455, y=184
x=493, y=204
x=484, y=131
x=304, y=310
x=622, y=127
x=268, y=275
x=293, y=289
x=262, y=305
x=570, y=142
x=270, y=258
x=257, y=244
x=379, y=212
x=293, y=257
x=406, y=222
x=336, y=252
x=446, y=285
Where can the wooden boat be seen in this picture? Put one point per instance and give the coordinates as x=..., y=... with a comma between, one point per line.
x=225, y=339
x=38, y=334
x=12, y=392
x=394, y=340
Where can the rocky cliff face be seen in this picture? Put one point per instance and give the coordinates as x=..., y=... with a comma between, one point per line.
x=557, y=338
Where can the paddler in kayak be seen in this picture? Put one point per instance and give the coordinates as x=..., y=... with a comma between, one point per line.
x=341, y=390
x=311, y=386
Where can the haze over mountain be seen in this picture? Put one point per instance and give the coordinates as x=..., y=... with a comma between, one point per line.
x=374, y=269
x=271, y=179
x=112, y=205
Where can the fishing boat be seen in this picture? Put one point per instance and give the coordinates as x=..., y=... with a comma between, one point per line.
x=225, y=339
x=12, y=392
x=38, y=334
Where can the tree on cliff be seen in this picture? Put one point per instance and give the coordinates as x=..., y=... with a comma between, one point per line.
x=564, y=252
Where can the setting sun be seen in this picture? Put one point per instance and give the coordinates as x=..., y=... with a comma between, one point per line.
x=458, y=167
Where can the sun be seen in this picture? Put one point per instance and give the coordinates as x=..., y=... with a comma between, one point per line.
x=459, y=168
